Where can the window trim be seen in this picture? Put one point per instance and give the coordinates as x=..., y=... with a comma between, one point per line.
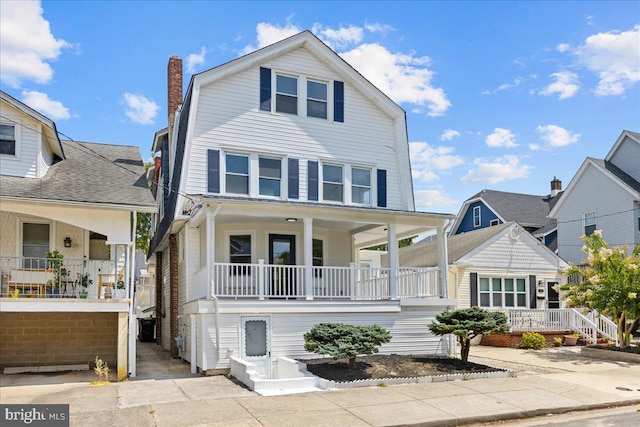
x=260, y=177
x=17, y=136
x=494, y=222
x=276, y=92
x=584, y=222
x=248, y=174
x=478, y=216
x=370, y=186
x=20, y=233
x=503, y=291
x=322, y=181
x=227, y=248
x=325, y=101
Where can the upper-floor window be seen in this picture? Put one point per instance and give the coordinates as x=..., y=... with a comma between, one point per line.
x=286, y=94
x=361, y=186
x=270, y=176
x=316, y=99
x=237, y=176
x=476, y=216
x=332, y=183
x=589, y=222
x=7, y=139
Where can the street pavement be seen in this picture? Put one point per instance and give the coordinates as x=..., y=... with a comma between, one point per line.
x=551, y=381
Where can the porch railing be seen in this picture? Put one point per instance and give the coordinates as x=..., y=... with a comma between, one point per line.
x=288, y=282
x=24, y=277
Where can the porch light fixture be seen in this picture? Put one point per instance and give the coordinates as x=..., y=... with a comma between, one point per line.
x=67, y=242
x=292, y=219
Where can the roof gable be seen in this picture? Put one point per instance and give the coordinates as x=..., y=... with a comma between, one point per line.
x=633, y=136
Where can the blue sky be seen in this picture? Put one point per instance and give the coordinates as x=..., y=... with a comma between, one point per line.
x=499, y=95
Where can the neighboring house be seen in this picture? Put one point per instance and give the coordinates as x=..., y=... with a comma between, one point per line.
x=79, y=199
x=489, y=208
x=603, y=195
x=496, y=267
x=279, y=167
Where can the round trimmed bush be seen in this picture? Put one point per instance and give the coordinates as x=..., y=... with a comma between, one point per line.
x=532, y=340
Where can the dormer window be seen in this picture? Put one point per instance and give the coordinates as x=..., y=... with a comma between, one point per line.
x=8, y=140
x=316, y=99
x=286, y=94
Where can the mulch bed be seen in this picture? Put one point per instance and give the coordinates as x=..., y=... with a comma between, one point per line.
x=391, y=366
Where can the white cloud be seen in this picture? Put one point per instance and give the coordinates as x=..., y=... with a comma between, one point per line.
x=449, y=134
x=563, y=47
x=269, y=34
x=403, y=77
x=534, y=147
x=383, y=29
x=505, y=168
x=614, y=57
x=40, y=101
x=339, y=38
x=428, y=198
x=426, y=160
x=516, y=82
x=566, y=85
x=140, y=110
x=556, y=136
x=27, y=44
x=195, y=59
x=501, y=138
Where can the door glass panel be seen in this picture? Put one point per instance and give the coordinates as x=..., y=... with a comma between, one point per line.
x=281, y=252
x=256, y=338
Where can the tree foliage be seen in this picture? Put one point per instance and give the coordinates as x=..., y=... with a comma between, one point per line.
x=341, y=341
x=611, y=284
x=401, y=244
x=467, y=324
x=143, y=231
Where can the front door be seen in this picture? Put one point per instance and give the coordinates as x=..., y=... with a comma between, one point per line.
x=256, y=344
x=553, y=298
x=282, y=253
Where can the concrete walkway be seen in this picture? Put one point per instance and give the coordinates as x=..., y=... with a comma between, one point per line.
x=165, y=394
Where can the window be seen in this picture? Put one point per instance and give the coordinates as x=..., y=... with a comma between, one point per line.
x=237, y=174
x=589, y=223
x=503, y=292
x=476, y=216
x=8, y=140
x=35, y=244
x=286, y=94
x=361, y=186
x=240, y=253
x=494, y=222
x=316, y=99
x=270, y=176
x=317, y=257
x=332, y=183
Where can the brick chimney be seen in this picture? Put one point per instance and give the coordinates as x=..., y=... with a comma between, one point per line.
x=174, y=90
x=556, y=186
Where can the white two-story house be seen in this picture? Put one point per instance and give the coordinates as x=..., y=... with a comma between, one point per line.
x=603, y=195
x=277, y=168
x=75, y=201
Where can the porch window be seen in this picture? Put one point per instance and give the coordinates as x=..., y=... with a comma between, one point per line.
x=476, y=216
x=7, y=139
x=240, y=252
x=286, y=94
x=503, y=292
x=332, y=185
x=589, y=219
x=361, y=186
x=270, y=177
x=237, y=175
x=317, y=257
x=316, y=99
x=35, y=244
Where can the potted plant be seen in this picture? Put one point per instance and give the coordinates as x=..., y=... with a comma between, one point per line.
x=84, y=281
x=55, y=266
x=571, y=339
x=120, y=289
x=557, y=341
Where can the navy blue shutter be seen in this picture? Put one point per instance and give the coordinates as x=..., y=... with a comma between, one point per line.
x=382, y=188
x=265, y=89
x=473, y=279
x=312, y=181
x=294, y=180
x=338, y=101
x=532, y=292
x=213, y=171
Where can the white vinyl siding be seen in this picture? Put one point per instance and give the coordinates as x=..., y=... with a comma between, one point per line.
x=228, y=118
x=627, y=158
x=590, y=222
x=25, y=162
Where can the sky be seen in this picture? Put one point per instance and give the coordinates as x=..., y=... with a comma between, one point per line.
x=499, y=95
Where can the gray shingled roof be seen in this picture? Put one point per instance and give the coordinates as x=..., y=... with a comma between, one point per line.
x=526, y=209
x=425, y=253
x=91, y=173
x=619, y=173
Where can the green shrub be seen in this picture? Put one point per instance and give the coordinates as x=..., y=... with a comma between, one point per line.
x=532, y=340
x=342, y=341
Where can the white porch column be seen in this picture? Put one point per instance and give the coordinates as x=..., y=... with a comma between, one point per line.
x=308, y=257
x=393, y=260
x=210, y=246
x=443, y=261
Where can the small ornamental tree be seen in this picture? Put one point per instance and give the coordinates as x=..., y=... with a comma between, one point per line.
x=467, y=324
x=341, y=341
x=611, y=284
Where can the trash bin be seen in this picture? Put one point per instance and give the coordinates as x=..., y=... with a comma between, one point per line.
x=147, y=329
